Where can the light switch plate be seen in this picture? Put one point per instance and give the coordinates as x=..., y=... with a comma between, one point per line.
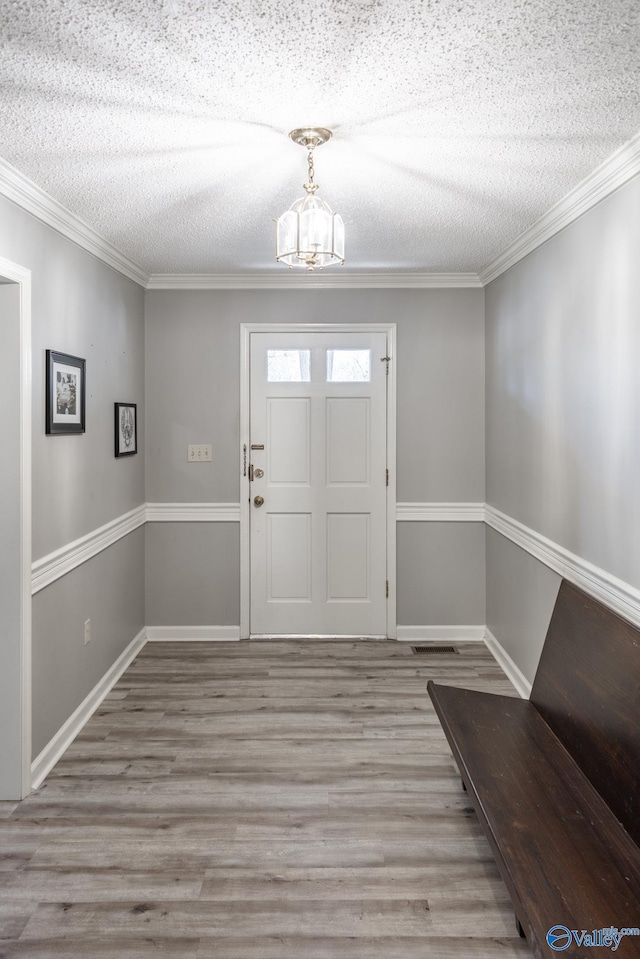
x=199, y=453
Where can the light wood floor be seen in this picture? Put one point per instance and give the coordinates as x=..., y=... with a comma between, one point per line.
x=259, y=800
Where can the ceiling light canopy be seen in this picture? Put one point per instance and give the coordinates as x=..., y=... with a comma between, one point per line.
x=310, y=234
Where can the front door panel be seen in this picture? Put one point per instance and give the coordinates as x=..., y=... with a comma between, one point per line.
x=318, y=434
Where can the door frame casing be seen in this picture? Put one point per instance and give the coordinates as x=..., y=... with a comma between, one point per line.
x=15, y=273
x=246, y=329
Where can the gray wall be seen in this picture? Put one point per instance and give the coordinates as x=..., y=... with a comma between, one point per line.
x=441, y=574
x=521, y=592
x=108, y=589
x=563, y=408
x=193, y=396
x=83, y=307
x=562, y=438
x=193, y=574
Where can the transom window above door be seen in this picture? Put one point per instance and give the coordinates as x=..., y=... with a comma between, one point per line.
x=348, y=366
x=288, y=366
x=342, y=366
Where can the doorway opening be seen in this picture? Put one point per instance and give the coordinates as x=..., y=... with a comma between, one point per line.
x=15, y=534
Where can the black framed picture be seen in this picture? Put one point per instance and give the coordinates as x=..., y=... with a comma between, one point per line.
x=65, y=393
x=126, y=423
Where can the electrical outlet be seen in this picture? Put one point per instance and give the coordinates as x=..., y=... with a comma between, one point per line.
x=87, y=631
x=199, y=453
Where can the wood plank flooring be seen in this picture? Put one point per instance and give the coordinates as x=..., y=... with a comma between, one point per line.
x=260, y=800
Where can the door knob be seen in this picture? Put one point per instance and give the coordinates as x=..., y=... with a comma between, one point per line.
x=258, y=500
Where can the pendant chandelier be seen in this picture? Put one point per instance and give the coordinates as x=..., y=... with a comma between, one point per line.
x=310, y=234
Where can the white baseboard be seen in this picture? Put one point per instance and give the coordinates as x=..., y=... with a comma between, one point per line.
x=469, y=634
x=44, y=763
x=513, y=672
x=460, y=634
x=204, y=634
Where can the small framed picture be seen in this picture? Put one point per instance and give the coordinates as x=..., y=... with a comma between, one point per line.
x=65, y=401
x=126, y=429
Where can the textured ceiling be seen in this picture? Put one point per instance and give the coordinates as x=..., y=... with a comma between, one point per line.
x=457, y=123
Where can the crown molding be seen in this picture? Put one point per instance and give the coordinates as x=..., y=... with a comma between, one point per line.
x=614, y=173
x=29, y=196
x=617, y=170
x=304, y=281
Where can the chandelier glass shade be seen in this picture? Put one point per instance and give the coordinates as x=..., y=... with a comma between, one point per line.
x=310, y=234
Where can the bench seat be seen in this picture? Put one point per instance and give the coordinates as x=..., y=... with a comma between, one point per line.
x=563, y=855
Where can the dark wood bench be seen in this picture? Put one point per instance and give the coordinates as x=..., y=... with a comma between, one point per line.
x=555, y=780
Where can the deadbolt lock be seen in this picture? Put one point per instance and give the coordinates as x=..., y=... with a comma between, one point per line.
x=258, y=500
x=258, y=473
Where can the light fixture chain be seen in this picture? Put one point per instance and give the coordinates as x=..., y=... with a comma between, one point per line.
x=310, y=186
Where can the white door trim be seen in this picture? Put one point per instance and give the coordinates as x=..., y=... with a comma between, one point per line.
x=246, y=329
x=22, y=276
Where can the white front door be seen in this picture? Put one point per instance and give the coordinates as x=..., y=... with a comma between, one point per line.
x=318, y=440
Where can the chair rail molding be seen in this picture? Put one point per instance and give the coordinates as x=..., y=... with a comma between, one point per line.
x=614, y=592
x=193, y=512
x=620, y=596
x=440, y=512
x=49, y=568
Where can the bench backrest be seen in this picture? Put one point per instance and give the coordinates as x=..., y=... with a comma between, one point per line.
x=587, y=688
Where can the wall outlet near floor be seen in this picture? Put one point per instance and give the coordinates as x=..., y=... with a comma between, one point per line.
x=199, y=453
x=87, y=631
